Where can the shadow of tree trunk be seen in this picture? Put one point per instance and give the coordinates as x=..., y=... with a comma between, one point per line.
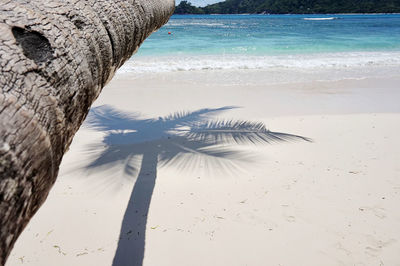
x=131, y=244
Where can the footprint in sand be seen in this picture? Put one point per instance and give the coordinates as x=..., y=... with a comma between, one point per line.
x=291, y=219
x=376, y=245
x=377, y=211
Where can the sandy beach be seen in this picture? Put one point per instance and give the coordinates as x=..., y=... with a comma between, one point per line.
x=330, y=198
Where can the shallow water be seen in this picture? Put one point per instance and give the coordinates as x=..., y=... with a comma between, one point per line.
x=207, y=42
x=274, y=34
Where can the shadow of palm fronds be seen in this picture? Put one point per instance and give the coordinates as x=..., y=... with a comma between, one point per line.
x=237, y=132
x=127, y=136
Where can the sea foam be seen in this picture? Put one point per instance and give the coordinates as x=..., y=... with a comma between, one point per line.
x=345, y=60
x=330, y=18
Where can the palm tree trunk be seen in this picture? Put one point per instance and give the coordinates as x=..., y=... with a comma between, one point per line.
x=55, y=57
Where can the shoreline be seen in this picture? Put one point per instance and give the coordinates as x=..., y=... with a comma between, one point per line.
x=357, y=62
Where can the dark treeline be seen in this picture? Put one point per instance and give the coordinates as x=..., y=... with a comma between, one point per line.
x=292, y=7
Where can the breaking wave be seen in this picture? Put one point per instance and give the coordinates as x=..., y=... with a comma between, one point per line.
x=345, y=60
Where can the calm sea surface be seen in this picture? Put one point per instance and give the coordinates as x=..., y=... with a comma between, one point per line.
x=200, y=42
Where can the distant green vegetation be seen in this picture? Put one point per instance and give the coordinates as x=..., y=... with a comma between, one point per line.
x=186, y=7
x=292, y=7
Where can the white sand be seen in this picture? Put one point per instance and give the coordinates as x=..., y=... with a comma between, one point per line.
x=334, y=201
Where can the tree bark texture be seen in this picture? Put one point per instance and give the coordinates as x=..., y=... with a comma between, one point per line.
x=55, y=57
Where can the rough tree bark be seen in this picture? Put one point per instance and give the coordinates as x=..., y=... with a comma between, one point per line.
x=55, y=57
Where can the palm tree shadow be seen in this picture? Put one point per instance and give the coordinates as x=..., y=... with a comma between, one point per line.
x=182, y=140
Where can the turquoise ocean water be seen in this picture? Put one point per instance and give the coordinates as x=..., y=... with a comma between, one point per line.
x=209, y=42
